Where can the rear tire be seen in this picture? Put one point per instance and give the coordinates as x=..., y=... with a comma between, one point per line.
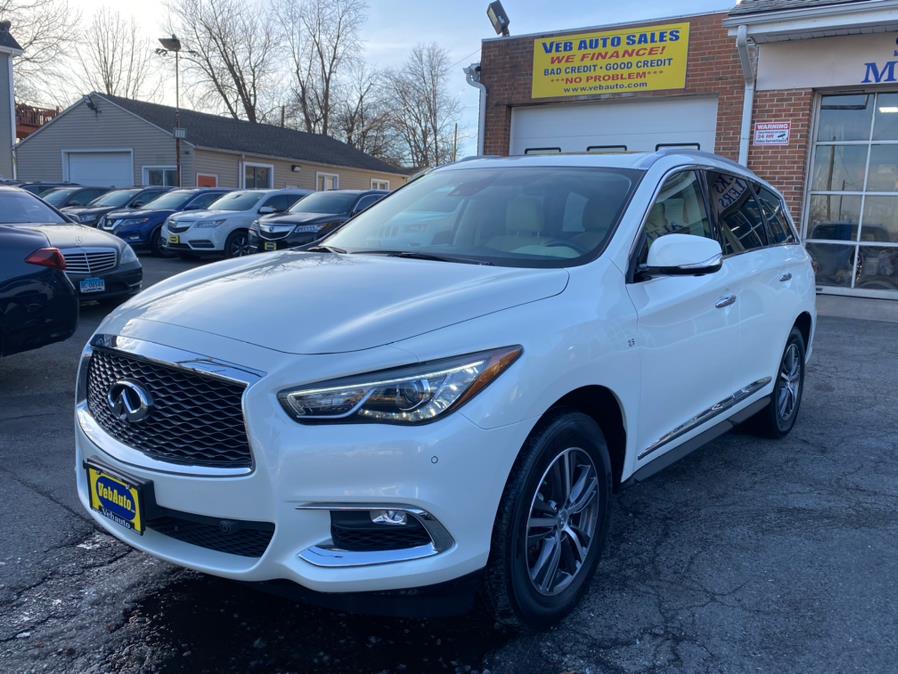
x=552, y=523
x=237, y=244
x=778, y=417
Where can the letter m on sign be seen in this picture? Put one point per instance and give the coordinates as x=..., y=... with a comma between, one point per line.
x=876, y=75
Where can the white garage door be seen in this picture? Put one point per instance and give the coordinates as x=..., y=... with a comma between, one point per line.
x=642, y=125
x=113, y=169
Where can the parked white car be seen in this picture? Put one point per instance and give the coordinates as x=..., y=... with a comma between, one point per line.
x=388, y=410
x=224, y=227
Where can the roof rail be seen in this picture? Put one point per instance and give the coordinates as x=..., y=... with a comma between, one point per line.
x=688, y=152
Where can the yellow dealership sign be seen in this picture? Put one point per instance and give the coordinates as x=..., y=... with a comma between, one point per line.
x=632, y=59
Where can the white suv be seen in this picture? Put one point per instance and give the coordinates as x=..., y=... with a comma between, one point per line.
x=448, y=401
x=224, y=226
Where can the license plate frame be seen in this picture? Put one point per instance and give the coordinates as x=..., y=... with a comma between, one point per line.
x=118, y=497
x=269, y=246
x=86, y=286
x=174, y=239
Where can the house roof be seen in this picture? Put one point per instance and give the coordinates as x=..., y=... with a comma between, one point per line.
x=226, y=133
x=760, y=6
x=7, y=41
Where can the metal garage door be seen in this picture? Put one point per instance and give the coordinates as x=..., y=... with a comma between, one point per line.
x=636, y=125
x=115, y=169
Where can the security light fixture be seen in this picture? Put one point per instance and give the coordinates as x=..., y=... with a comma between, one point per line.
x=496, y=13
x=170, y=43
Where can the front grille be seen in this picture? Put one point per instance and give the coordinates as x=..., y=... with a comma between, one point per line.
x=353, y=530
x=179, y=226
x=194, y=419
x=236, y=537
x=94, y=261
x=275, y=234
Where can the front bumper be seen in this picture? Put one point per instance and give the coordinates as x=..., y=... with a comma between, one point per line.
x=120, y=282
x=452, y=469
x=196, y=239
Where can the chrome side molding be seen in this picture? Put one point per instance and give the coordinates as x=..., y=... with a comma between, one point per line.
x=707, y=415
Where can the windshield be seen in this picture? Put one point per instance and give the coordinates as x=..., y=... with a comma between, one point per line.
x=548, y=216
x=114, y=199
x=236, y=201
x=59, y=197
x=170, y=200
x=17, y=208
x=338, y=203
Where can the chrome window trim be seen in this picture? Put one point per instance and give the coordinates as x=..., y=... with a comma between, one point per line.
x=706, y=415
x=325, y=554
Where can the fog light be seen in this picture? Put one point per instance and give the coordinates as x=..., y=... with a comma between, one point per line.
x=393, y=517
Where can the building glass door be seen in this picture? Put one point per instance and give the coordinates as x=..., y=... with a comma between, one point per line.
x=851, y=221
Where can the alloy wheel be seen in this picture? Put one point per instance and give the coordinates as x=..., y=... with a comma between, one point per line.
x=240, y=246
x=561, y=525
x=789, y=382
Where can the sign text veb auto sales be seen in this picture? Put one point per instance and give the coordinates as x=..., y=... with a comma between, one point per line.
x=643, y=59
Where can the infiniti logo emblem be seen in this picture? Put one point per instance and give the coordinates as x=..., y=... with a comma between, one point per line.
x=128, y=401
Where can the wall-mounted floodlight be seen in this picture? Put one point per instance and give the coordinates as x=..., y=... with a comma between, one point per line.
x=497, y=16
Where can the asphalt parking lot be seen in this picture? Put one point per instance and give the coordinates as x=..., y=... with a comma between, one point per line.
x=749, y=555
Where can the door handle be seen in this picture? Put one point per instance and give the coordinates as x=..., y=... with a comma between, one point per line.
x=786, y=277
x=725, y=301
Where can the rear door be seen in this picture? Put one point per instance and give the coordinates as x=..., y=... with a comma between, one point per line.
x=759, y=277
x=688, y=327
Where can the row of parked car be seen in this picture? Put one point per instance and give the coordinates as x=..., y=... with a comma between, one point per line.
x=67, y=244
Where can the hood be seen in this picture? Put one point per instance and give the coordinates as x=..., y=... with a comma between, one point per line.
x=308, y=303
x=71, y=236
x=203, y=215
x=300, y=218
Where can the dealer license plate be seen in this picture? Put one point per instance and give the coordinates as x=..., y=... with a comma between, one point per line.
x=174, y=239
x=115, y=497
x=92, y=285
x=271, y=245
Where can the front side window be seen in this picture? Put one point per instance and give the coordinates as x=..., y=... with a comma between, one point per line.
x=512, y=216
x=678, y=209
x=18, y=209
x=774, y=210
x=257, y=177
x=738, y=214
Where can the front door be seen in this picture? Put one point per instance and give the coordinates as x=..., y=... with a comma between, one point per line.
x=688, y=328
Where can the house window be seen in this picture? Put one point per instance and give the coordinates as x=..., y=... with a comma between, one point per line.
x=377, y=184
x=328, y=181
x=257, y=176
x=163, y=176
x=206, y=180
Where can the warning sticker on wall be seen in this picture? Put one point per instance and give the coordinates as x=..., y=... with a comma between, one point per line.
x=772, y=133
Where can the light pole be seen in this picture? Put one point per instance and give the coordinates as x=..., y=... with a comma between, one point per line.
x=173, y=44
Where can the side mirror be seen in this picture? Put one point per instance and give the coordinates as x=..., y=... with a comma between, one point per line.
x=265, y=210
x=682, y=255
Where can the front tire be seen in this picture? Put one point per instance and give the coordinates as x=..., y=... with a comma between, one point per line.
x=237, y=244
x=778, y=417
x=157, y=245
x=552, y=523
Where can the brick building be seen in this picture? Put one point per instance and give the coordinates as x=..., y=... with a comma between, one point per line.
x=805, y=92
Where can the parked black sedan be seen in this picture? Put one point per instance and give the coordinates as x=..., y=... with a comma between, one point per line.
x=38, y=304
x=310, y=218
x=129, y=197
x=100, y=265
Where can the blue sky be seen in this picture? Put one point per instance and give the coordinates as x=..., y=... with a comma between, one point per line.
x=394, y=26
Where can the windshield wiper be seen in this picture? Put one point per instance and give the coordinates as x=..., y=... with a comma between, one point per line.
x=415, y=255
x=321, y=248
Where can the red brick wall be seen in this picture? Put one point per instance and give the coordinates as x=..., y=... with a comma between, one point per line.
x=784, y=167
x=713, y=68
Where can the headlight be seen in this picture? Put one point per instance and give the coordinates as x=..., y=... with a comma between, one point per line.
x=210, y=223
x=133, y=221
x=414, y=394
x=128, y=255
x=304, y=229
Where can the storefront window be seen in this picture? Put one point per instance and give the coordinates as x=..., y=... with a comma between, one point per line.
x=852, y=205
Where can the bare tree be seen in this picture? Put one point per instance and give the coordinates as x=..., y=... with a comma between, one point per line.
x=46, y=29
x=229, y=50
x=423, y=112
x=363, y=117
x=323, y=39
x=114, y=58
